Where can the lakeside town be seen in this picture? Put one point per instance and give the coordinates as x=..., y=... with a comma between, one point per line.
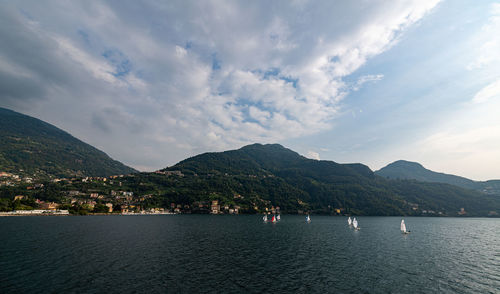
x=51, y=208
x=100, y=196
x=131, y=195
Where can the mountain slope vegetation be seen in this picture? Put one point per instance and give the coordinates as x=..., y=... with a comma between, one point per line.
x=32, y=147
x=283, y=178
x=402, y=169
x=258, y=178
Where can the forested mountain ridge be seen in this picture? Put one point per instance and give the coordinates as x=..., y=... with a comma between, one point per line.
x=262, y=159
x=32, y=147
x=402, y=169
x=294, y=182
x=252, y=179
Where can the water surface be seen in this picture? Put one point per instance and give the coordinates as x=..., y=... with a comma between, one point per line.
x=234, y=254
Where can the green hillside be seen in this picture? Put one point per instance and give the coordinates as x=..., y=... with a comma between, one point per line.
x=32, y=147
x=402, y=169
x=284, y=178
x=258, y=177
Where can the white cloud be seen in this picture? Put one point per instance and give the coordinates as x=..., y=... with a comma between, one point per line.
x=180, y=52
x=194, y=76
x=488, y=41
x=488, y=92
x=365, y=79
x=99, y=69
x=474, y=150
x=313, y=155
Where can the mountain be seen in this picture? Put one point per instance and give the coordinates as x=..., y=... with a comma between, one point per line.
x=256, y=178
x=32, y=147
x=271, y=174
x=258, y=159
x=402, y=169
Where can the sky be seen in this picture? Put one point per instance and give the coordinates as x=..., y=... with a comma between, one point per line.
x=154, y=82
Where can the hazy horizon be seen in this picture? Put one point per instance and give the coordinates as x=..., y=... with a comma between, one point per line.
x=153, y=83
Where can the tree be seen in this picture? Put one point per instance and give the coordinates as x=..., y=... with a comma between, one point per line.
x=5, y=204
x=100, y=208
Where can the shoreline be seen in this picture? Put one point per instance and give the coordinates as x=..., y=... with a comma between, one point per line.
x=146, y=214
x=9, y=213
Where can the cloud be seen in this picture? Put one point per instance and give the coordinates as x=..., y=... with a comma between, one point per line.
x=488, y=41
x=151, y=83
x=455, y=150
x=365, y=79
x=313, y=155
x=488, y=92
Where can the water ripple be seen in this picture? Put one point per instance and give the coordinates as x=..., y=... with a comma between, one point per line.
x=234, y=254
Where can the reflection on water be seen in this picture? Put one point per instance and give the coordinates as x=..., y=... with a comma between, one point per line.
x=190, y=253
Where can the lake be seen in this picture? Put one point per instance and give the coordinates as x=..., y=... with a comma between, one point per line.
x=234, y=254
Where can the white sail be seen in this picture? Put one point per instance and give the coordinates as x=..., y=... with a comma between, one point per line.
x=265, y=218
x=278, y=217
x=349, y=221
x=403, y=226
x=308, y=218
x=355, y=223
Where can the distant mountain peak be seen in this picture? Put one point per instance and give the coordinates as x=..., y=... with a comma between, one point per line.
x=403, y=169
x=263, y=147
x=406, y=163
x=265, y=159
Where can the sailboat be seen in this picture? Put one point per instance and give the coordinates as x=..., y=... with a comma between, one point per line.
x=265, y=218
x=273, y=219
x=403, y=227
x=355, y=224
x=308, y=219
x=278, y=217
x=349, y=221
